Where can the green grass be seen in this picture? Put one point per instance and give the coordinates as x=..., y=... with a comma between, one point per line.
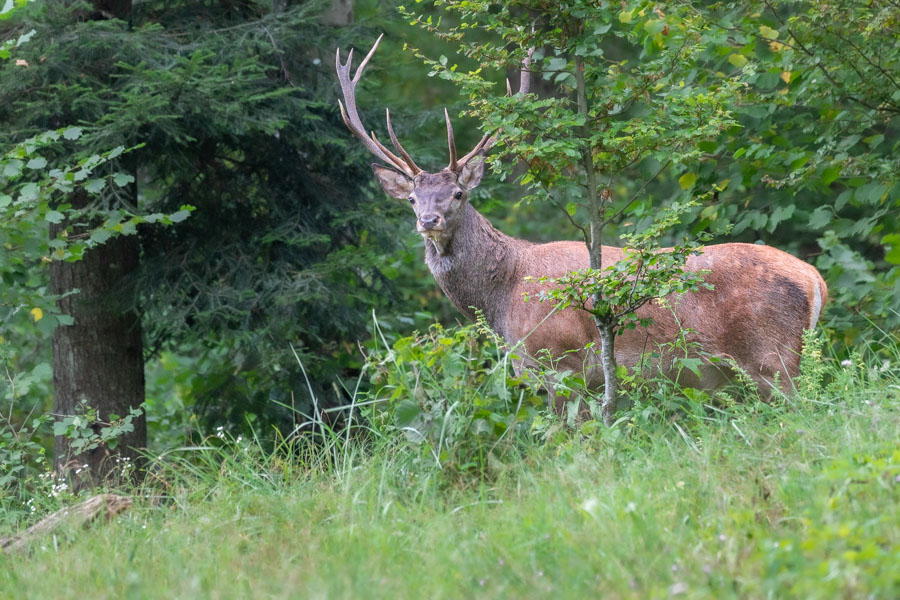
x=798, y=499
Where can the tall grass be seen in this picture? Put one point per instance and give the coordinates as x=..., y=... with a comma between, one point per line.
x=798, y=498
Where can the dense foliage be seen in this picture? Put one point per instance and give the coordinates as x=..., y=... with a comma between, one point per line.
x=208, y=132
x=813, y=167
x=766, y=121
x=231, y=109
x=796, y=103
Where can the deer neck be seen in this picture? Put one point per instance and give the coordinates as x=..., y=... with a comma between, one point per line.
x=478, y=267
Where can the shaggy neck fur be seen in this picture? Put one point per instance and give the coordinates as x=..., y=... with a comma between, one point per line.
x=478, y=268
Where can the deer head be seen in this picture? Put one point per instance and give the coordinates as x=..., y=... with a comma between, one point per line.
x=438, y=199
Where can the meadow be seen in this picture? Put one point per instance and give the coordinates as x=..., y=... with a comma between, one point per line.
x=793, y=499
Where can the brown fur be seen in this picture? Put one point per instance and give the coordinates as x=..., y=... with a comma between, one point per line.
x=762, y=299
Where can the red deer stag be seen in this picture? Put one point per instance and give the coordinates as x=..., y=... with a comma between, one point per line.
x=762, y=299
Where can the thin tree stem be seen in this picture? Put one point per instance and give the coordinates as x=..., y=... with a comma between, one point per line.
x=606, y=327
x=608, y=361
x=594, y=202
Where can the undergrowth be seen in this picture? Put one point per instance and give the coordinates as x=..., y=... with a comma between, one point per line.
x=450, y=479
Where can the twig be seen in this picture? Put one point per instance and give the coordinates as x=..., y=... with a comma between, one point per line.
x=635, y=195
x=287, y=75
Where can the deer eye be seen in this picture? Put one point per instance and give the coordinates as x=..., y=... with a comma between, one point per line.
x=457, y=195
x=412, y=200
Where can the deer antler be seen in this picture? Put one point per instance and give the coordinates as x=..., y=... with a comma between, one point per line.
x=488, y=140
x=354, y=123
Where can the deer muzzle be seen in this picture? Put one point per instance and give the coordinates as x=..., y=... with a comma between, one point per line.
x=430, y=223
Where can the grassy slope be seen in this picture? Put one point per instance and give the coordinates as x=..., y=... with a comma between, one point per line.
x=789, y=500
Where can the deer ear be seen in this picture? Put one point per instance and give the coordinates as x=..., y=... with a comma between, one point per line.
x=472, y=172
x=394, y=183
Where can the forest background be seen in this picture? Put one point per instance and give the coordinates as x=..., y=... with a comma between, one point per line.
x=192, y=240
x=198, y=146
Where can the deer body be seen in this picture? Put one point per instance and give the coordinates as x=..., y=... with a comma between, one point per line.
x=762, y=298
x=762, y=301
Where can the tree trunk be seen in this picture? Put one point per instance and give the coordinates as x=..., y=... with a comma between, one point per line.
x=339, y=13
x=98, y=360
x=610, y=383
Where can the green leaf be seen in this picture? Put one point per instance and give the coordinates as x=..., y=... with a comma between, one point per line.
x=123, y=179
x=892, y=248
x=893, y=255
x=820, y=218
x=47, y=324
x=874, y=140
x=738, y=60
x=871, y=193
x=654, y=26
x=768, y=32
x=687, y=181
x=830, y=174
x=179, y=216
x=842, y=199
x=29, y=192
x=38, y=162
x=99, y=236
x=54, y=216
x=25, y=36
x=94, y=186
x=796, y=164
x=405, y=412
x=72, y=133
x=13, y=168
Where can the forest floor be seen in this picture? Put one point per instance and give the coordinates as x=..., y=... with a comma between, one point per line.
x=795, y=499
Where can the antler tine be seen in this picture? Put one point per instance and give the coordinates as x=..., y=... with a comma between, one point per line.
x=351, y=115
x=365, y=61
x=451, y=142
x=409, y=161
x=525, y=73
x=394, y=158
x=481, y=145
x=524, y=87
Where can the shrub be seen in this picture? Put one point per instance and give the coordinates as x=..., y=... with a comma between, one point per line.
x=451, y=392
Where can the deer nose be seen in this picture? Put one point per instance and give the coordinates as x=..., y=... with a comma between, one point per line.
x=430, y=221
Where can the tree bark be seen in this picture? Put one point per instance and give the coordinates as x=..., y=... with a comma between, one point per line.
x=339, y=13
x=608, y=362
x=98, y=360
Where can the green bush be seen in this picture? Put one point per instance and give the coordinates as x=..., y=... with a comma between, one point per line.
x=452, y=394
